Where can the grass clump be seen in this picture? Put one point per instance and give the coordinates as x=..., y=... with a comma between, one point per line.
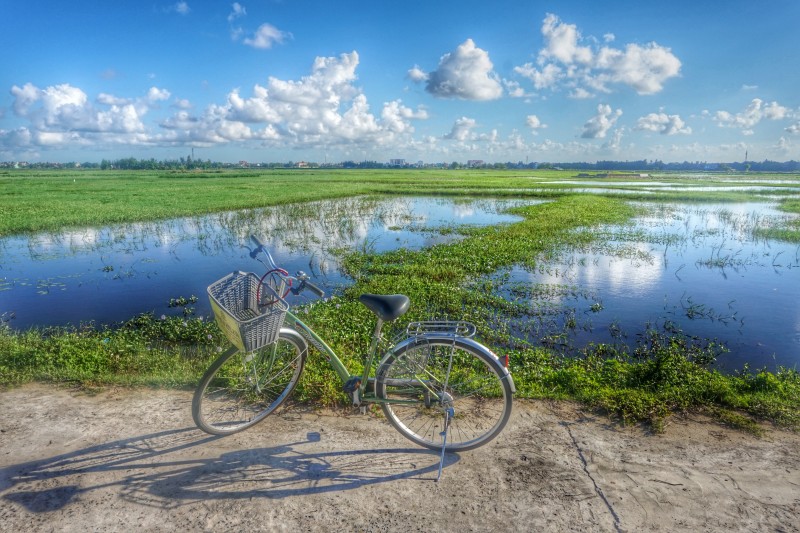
x=167, y=351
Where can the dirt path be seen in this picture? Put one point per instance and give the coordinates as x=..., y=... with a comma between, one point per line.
x=123, y=460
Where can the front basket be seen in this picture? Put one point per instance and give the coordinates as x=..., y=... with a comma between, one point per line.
x=247, y=325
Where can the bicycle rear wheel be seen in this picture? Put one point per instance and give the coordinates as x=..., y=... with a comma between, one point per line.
x=429, y=376
x=239, y=390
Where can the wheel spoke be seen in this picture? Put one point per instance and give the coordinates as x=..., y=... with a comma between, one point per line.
x=237, y=392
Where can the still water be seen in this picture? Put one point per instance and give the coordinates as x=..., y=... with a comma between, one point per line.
x=701, y=270
x=107, y=275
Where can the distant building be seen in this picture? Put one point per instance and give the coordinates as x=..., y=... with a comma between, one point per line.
x=397, y=162
x=473, y=163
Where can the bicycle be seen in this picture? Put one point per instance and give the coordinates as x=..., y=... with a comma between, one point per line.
x=437, y=386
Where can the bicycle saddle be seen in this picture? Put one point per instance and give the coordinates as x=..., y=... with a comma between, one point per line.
x=387, y=307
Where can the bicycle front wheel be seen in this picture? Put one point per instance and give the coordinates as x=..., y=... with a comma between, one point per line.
x=428, y=378
x=239, y=390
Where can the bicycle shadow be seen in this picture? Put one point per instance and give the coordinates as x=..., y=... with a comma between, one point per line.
x=174, y=468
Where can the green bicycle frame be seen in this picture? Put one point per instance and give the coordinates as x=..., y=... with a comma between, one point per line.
x=315, y=340
x=344, y=374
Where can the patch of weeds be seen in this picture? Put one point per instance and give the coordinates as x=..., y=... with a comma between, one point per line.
x=737, y=421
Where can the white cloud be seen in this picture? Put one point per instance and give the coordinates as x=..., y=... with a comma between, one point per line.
x=562, y=42
x=597, y=126
x=465, y=73
x=794, y=129
x=663, y=124
x=644, y=68
x=417, y=75
x=322, y=109
x=564, y=61
x=155, y=94
x=774, y=111
x=579, y=93
x=514, y=89
x=238, y=11
x=755, y=111
x=396, y=117
x=182, y=103
x=181, y=8
x=461, y=129
x=266, y=36
x=61, y=115
x=546, y=78
x=534, y=124
x=614, y=144
x=110, y=99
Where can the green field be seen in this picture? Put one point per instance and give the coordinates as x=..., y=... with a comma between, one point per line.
x=663, y=375
x=52, y=200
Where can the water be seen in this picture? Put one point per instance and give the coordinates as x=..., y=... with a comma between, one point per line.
x=108, y=275
x=700, y=270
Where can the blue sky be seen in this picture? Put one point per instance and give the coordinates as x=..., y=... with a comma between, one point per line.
x=292, y=80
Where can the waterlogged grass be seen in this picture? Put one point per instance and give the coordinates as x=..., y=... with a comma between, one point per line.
x=790, y=230
x=662, y=374
x=53, y=200
x=38, y=200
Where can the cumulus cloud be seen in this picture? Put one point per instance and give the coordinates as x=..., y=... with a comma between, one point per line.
x=465, y=73
x=417, y=75
x=266, y=36
x=561, y=42
x=61, y=115
x=794, y=129
x=514, y=89
x=534, y=124
x=614, y=144
x=755, y=111
x=461, y=129
x=663, y=124
x=566, y=61
x=597, y=127
x=324, y=108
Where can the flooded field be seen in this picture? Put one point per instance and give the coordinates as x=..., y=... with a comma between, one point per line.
x=107, y=275
x=701, y=270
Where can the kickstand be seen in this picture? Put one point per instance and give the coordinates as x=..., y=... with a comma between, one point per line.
x=448, y=414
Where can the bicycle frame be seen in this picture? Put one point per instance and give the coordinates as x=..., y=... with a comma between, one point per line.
x=337, y=365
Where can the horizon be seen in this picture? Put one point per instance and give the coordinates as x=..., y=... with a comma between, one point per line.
x=510, y=81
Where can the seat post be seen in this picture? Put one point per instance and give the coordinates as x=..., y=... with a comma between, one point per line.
x=376, y=337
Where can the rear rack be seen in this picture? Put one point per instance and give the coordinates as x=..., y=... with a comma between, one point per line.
x=448, y=327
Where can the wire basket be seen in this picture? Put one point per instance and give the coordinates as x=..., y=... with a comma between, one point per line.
x=248, y=326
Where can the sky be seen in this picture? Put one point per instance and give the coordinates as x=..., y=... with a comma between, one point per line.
x=441, y=81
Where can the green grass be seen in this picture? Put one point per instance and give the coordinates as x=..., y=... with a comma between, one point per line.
x=661, y=376
x=33, y=200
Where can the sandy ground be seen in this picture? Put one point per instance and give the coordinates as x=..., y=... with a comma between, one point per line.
x=124, y=460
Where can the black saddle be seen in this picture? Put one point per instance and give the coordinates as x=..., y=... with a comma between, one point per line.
x=387, y=307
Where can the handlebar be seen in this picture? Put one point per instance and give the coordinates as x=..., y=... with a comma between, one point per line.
x=260, y=248
x=302, y=277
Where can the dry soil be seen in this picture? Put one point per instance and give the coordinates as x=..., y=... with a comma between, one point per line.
x=122, y=460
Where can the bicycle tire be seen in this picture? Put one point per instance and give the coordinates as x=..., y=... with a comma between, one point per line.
x=477, y=388
x=239, y=390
